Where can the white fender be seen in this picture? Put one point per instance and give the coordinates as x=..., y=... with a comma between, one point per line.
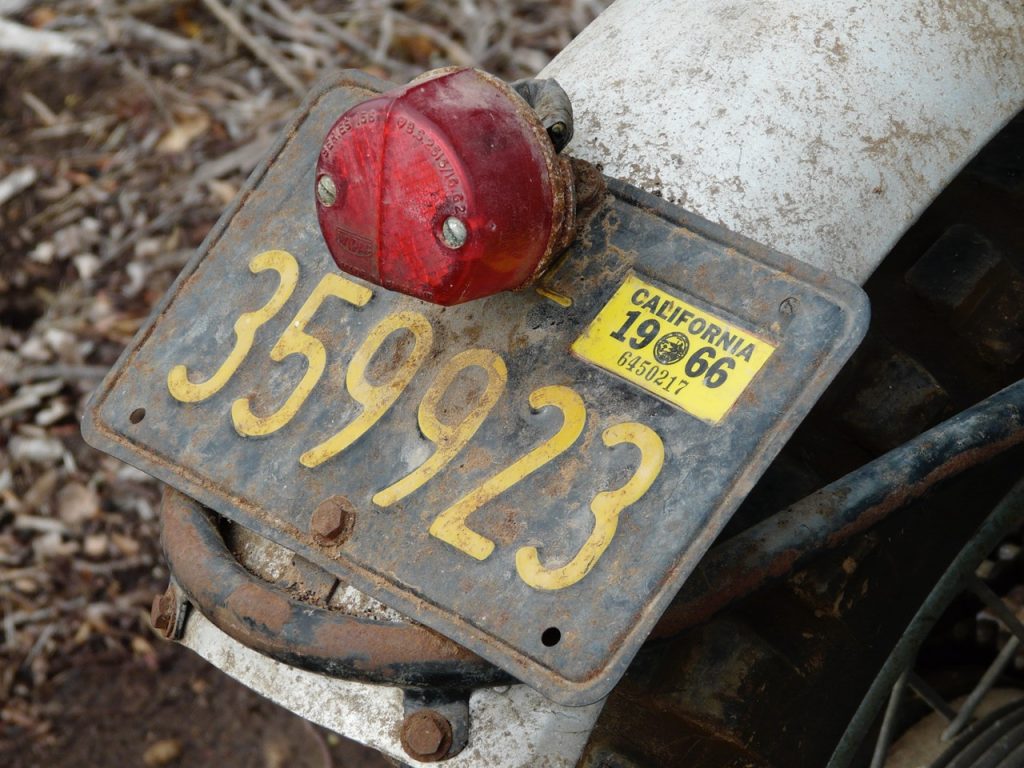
x=822, y=129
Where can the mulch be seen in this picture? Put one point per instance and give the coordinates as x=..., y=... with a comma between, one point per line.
x=125, y=129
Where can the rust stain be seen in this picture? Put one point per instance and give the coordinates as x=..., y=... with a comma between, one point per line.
x=270, y=611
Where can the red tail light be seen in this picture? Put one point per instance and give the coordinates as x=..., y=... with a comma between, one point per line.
x=447, y=189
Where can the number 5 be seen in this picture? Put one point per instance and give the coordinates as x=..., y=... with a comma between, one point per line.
x=295, y=341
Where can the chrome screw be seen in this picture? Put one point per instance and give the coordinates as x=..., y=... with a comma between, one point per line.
x=453, y=232
x=326, y=192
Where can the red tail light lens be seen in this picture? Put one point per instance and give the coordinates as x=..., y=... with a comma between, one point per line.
x=447, y=189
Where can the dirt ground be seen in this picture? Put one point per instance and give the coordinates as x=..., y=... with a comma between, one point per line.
x=172, y=709
x=125, y=129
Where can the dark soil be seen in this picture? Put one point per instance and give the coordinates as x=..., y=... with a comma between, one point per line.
x=174, y=709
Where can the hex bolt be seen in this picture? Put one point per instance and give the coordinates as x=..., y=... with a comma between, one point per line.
x=453, y=232
x=326, y=192
x=426, y=736
x=332, y=519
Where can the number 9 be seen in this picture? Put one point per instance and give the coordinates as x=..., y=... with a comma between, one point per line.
x=449, y=439
x=375, y=399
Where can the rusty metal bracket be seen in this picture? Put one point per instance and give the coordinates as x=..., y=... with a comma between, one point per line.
x=269, y=620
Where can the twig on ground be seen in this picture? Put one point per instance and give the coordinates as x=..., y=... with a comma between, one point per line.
x=37, y=105
x=259, y=49
x=17, y=182
x=62, y=372
x=25, y=41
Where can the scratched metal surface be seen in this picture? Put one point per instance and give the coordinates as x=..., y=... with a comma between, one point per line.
x=483, y=605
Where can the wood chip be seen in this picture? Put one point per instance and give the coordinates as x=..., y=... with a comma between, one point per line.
x=77, y=503
x=185, y=130
x=17, y=182
x=96, y=545
x=163, y=752
x=39, y=450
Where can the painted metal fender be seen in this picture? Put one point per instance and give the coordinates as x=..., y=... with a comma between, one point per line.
x=822, y=130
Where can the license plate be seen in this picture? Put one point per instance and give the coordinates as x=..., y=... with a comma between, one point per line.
x=534, y=474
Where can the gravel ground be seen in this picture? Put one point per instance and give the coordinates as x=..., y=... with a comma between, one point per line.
x=125, y=129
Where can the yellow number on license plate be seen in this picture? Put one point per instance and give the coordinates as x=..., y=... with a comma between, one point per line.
x=450, y=525
x=692, y=358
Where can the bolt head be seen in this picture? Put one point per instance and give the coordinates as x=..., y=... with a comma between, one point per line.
x=326, y=191
x=453, y=232
x=426, y=735
x=333, y=518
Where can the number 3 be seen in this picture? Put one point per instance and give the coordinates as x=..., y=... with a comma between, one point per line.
x=606, y=507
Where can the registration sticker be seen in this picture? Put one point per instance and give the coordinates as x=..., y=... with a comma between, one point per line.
x=690, y=357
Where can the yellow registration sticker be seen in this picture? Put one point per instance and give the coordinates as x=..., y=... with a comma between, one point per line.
x=690, y=357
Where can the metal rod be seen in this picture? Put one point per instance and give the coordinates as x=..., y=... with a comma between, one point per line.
x=775, y=547
x=996, y=605
x=930, y=696
x=1004, y=518
x=889, y=722
x=984, y=685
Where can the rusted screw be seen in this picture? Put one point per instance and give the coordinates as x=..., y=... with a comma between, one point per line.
x=162, y=614
x=453, y=232
x=326, y=192
x=788, y=306
x=333, y=519
x=426, y=736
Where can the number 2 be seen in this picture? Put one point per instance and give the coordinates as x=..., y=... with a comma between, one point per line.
x=450, y=526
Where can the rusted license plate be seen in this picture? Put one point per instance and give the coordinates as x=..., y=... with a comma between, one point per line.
x=533, y=474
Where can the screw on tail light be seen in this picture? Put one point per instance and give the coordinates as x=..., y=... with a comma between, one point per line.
x=448, y=189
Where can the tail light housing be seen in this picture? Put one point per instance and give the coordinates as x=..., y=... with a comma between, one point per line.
x=448, y=189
